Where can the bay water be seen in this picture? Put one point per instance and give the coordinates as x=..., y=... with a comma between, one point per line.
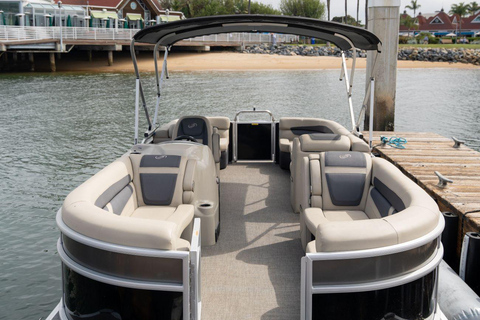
x=59, y=129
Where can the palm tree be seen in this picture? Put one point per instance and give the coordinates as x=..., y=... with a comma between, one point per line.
x=409, y=23
x=366, y=14
x=474, y=7
x=328, y=9
x=346, y=12
x=461, y=10
x=358, y=9
x=413, y=6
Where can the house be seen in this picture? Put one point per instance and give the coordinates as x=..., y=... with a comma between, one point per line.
x=441, y=24
x=40, y=13
x=134, y=14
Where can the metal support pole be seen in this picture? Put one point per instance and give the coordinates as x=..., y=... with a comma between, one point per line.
x=349, y=95
x=159, y=80
x=137, y=94
x=372, y=104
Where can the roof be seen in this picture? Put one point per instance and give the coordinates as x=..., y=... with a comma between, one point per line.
x=441, y=21
x=93, y=3
x=339, y=34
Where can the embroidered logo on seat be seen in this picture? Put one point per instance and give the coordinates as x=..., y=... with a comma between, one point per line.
x=345, y=156
x=193, y=125
x=160, y=157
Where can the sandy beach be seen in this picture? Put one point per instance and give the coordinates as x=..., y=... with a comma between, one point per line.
x=228, y=61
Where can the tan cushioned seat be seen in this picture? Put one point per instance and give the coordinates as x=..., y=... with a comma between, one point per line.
x=106, y=208
x=388, y=209
x=182, y=215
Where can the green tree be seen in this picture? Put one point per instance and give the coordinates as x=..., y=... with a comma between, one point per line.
x=474, y=7
x=409, y=23
x=413, y=6
x=200, y=8
x=303, y=8
x=350, y=20
x=461, y=10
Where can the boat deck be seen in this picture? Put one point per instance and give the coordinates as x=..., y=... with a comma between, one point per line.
x=253, y=272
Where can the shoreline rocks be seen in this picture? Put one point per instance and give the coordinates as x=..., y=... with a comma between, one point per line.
x=454, y=55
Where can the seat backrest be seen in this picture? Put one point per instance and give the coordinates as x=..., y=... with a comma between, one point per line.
x=291, y=127
x=197, y=127
x=345, y=178
x=391, y=191
x=163, y=180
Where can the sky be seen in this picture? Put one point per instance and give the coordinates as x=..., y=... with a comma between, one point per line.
x=338, y=6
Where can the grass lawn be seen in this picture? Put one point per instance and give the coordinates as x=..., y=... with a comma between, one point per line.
x=446, y=46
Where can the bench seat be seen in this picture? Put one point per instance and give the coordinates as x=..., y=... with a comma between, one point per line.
x=357, y=202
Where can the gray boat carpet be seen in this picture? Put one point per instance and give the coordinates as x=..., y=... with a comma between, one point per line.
x=253, y=272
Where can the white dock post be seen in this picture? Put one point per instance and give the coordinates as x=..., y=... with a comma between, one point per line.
x=383, y=20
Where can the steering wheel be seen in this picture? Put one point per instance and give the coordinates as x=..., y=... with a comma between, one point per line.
x=186, y=137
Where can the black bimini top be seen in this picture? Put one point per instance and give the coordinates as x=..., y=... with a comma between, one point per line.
x=169, y=33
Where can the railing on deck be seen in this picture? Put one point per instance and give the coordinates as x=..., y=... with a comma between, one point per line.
x=20, y=33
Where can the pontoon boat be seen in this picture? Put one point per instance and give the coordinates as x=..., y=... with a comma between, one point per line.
x=333, y=234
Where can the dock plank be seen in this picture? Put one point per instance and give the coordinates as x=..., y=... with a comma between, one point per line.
x=427, y=152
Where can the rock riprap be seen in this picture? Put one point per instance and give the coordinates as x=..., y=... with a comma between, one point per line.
x=453, y=55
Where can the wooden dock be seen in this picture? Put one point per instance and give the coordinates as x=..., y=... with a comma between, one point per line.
x=426, y=153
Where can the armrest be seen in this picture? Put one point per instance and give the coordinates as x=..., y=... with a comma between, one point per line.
x=285, y=145
x=358, y=144
x=313, y=218
x=216, y=145
x=182, y=217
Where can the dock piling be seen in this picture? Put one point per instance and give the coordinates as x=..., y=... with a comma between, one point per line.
x=383, y=20
x=32, y=62
x=89, y=55
x=110, y=58
x=53, y=67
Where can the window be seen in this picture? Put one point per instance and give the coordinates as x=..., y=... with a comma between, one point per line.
x=437, y=20
x=477, y=19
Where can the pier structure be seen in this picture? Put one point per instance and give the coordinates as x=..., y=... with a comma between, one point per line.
x=383, y=21
x=62, y=40
x=427, y=153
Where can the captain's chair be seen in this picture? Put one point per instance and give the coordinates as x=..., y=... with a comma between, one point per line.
x=201, y=130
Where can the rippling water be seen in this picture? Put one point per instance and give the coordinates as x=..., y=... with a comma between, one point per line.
x=59, y=129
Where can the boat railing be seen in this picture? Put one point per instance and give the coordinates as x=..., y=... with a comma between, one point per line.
x=325, y=274
x=23, y=33
x=169, y=271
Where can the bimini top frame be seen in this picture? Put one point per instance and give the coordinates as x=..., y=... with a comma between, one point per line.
x=343, y=36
